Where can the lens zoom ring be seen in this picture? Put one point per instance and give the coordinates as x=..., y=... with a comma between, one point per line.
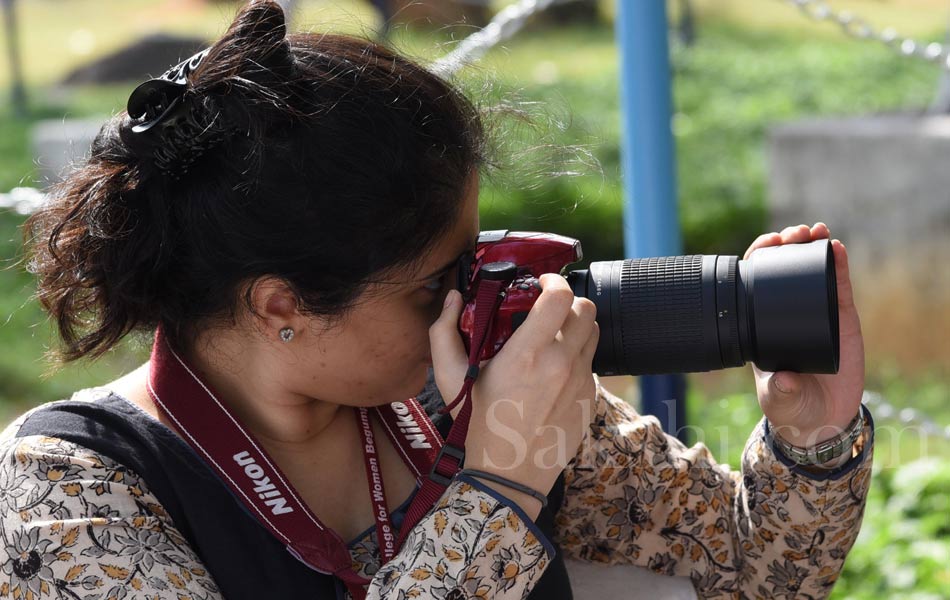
x=661, y=298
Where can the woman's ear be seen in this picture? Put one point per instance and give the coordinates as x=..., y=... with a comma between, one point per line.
x=274, y=306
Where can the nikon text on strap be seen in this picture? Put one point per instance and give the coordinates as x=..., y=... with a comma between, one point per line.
x=225, y=444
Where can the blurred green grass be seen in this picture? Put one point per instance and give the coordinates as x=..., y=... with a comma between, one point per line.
x=755, y=63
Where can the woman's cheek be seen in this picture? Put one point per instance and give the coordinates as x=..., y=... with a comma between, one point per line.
x=408, y=345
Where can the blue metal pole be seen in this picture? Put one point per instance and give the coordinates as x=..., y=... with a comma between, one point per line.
x=651, y=224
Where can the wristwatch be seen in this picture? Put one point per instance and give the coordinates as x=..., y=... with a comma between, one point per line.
x=823, y=452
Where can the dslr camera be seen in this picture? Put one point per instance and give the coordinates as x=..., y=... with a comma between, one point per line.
x=673, y=314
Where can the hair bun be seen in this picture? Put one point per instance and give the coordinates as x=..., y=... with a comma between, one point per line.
x=261, y=19
x=255, y=42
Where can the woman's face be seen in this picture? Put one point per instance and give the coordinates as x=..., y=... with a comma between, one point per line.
x=379, y=352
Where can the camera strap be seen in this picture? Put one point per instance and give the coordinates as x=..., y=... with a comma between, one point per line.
x=451, y=455
x=418, y=442
x=224, y=443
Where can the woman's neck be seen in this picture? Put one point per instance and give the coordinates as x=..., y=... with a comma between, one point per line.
x=253, y=389
x=285, y=423
x=316, y=444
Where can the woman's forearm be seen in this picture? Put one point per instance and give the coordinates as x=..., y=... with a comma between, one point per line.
x=635, y=495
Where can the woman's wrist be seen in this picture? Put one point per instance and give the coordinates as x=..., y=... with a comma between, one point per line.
x=837, y=463
x=528, y=504
x=509, y=483
x=825, y=448
x=528, y=497
x=812, y=436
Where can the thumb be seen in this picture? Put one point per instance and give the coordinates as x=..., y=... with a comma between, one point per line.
x=782, y=401
x=449, y=360
x=784, y=384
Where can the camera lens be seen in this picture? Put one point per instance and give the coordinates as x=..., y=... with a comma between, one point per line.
x=681, y=314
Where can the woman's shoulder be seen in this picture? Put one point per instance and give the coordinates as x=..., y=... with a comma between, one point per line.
x=43, y=470
x=45, y=475
x=74, y=517
x=30, y=456
x=89, y=437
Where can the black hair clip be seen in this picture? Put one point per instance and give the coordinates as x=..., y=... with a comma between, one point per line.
x=167, y=126
x=156, y=99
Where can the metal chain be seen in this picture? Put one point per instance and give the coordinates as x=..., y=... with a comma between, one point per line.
x=859, y=28
x=907, y=416
x=509, y=21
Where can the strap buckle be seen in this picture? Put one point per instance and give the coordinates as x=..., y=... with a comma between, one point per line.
x=453, y=451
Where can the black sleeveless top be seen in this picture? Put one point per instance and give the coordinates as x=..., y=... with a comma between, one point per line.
x=244, y=559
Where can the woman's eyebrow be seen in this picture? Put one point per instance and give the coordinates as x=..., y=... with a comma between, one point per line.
x=451, y=263
x=440, y=271
x=446, y=267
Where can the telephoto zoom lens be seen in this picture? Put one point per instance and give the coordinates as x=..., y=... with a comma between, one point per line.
x=681, y=314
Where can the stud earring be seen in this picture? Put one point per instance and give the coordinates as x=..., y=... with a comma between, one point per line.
x=286, y=334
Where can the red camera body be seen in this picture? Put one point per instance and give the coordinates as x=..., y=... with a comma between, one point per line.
x=518, y=258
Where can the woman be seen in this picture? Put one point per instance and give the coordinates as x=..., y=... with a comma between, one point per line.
x=285, y=213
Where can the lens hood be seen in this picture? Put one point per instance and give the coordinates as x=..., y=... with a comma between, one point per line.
x=791, y=298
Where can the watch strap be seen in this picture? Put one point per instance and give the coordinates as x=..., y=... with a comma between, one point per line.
x=822, y=452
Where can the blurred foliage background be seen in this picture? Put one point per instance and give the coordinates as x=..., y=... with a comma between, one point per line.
x=752, y=64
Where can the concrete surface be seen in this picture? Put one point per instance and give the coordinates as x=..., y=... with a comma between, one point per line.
x=58, y=143
x=882, y=183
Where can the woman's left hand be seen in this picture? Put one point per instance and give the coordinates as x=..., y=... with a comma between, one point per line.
x=805, y=409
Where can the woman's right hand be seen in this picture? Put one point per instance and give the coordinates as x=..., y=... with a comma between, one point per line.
x=533, y=401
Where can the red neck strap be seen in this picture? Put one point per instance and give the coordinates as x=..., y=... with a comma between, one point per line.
x=225, y=444
x=451, y=456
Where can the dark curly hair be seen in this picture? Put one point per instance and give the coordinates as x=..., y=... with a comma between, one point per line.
x=326, y=160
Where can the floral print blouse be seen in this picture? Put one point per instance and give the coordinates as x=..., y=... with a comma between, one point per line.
x=76, y=524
